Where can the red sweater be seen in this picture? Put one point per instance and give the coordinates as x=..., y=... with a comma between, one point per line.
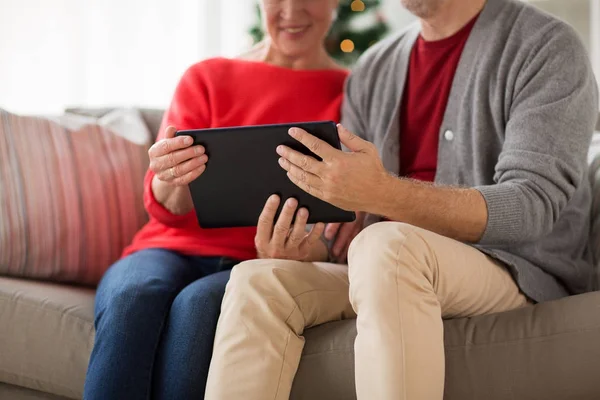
x=221, y=93
x=428, y=84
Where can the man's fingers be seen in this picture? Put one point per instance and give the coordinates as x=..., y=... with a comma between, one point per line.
x=350, y=140
x=318, y=193
x=301, y=175
x=264, y=228
x=315, y=234
x=343, y=256
x=317, y=146
x=299, y=230
x=344, y=236
x=302, y=161
x=283, y=225
x=331, y=230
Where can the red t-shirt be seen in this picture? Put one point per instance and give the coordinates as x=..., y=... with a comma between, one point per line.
x=220, y=93
x=429, y=80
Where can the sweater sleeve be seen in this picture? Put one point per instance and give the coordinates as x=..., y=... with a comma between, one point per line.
x=548, y=131
x=189, y=109
x=352, y=110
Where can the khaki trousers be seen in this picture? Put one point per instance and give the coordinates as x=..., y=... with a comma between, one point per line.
x=401, y=281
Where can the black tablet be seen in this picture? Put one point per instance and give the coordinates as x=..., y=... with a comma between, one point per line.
x=243, y=171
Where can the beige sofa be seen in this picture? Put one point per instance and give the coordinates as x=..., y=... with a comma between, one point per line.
x=550, y=351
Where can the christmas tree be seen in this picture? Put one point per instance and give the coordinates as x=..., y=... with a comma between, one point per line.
x=359, y=25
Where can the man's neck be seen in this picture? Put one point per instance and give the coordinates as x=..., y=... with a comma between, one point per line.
x=450, y=18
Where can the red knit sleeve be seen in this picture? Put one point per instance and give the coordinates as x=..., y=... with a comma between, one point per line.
x=189, y=109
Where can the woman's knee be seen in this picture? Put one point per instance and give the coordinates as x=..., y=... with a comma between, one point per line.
x=130, y=282
x=203, y=294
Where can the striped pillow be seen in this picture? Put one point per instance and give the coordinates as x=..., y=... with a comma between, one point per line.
x=70, y=193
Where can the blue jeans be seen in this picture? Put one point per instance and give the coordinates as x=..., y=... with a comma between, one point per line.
x=156, y=316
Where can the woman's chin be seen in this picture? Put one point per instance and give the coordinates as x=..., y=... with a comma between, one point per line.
x=298, y=50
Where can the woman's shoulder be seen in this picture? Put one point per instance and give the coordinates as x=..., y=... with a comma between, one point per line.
x=209, y=65
x=241, y=67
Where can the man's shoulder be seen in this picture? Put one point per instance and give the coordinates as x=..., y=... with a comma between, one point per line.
x=386, y=51
x=528, y=25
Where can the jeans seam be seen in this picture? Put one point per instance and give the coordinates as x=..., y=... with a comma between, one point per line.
x=157, y=344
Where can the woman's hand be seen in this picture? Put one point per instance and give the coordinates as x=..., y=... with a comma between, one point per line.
x=175, y=163
x=282, y=240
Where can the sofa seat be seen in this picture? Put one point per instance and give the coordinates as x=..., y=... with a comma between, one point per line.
x=550, y=351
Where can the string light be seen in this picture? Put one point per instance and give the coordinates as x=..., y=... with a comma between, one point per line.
x=347, y=46
x=357, y=6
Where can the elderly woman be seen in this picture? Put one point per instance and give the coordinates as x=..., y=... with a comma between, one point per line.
x=157, y=308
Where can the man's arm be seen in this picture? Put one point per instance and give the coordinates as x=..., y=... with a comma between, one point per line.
x=542, y=164
x=358, y=181
x=460, y=214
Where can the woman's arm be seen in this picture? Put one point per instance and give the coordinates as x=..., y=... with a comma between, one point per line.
x=174, y=162
x=175, y=199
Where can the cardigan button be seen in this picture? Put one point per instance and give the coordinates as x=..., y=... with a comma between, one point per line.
x=449, y=135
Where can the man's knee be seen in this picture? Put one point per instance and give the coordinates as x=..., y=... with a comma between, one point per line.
x=259, y=276
x=376, y=238
x=377, y=251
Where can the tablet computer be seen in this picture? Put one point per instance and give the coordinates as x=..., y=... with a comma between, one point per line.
x=243, y=171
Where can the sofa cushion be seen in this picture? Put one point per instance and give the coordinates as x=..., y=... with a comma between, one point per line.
x=46, y=336
x=70, y=193
x=549, y=351
x=11, y=392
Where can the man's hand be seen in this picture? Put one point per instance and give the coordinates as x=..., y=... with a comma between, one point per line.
x=351, y=181
x=281, y=239
x=358, y=181
x=344, y=234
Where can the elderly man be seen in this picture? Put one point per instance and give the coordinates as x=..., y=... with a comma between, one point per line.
x=470, y=134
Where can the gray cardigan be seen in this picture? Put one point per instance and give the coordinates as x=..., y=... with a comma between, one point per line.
x=518, y=125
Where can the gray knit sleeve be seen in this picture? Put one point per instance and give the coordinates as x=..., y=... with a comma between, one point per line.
x=548, y=131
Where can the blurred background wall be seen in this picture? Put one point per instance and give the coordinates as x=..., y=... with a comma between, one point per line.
x=58, y=53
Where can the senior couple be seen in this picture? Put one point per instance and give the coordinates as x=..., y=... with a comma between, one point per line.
x=467, y=134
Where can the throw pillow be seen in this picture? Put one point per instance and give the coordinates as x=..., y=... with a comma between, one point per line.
x=70, y=193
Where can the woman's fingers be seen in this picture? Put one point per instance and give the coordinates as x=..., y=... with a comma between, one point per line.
x=299, y=230
x=175, y=158
x=187, y=178
x=283, y=225
x=169, y=145
x=170, y=132
x=177, y=171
